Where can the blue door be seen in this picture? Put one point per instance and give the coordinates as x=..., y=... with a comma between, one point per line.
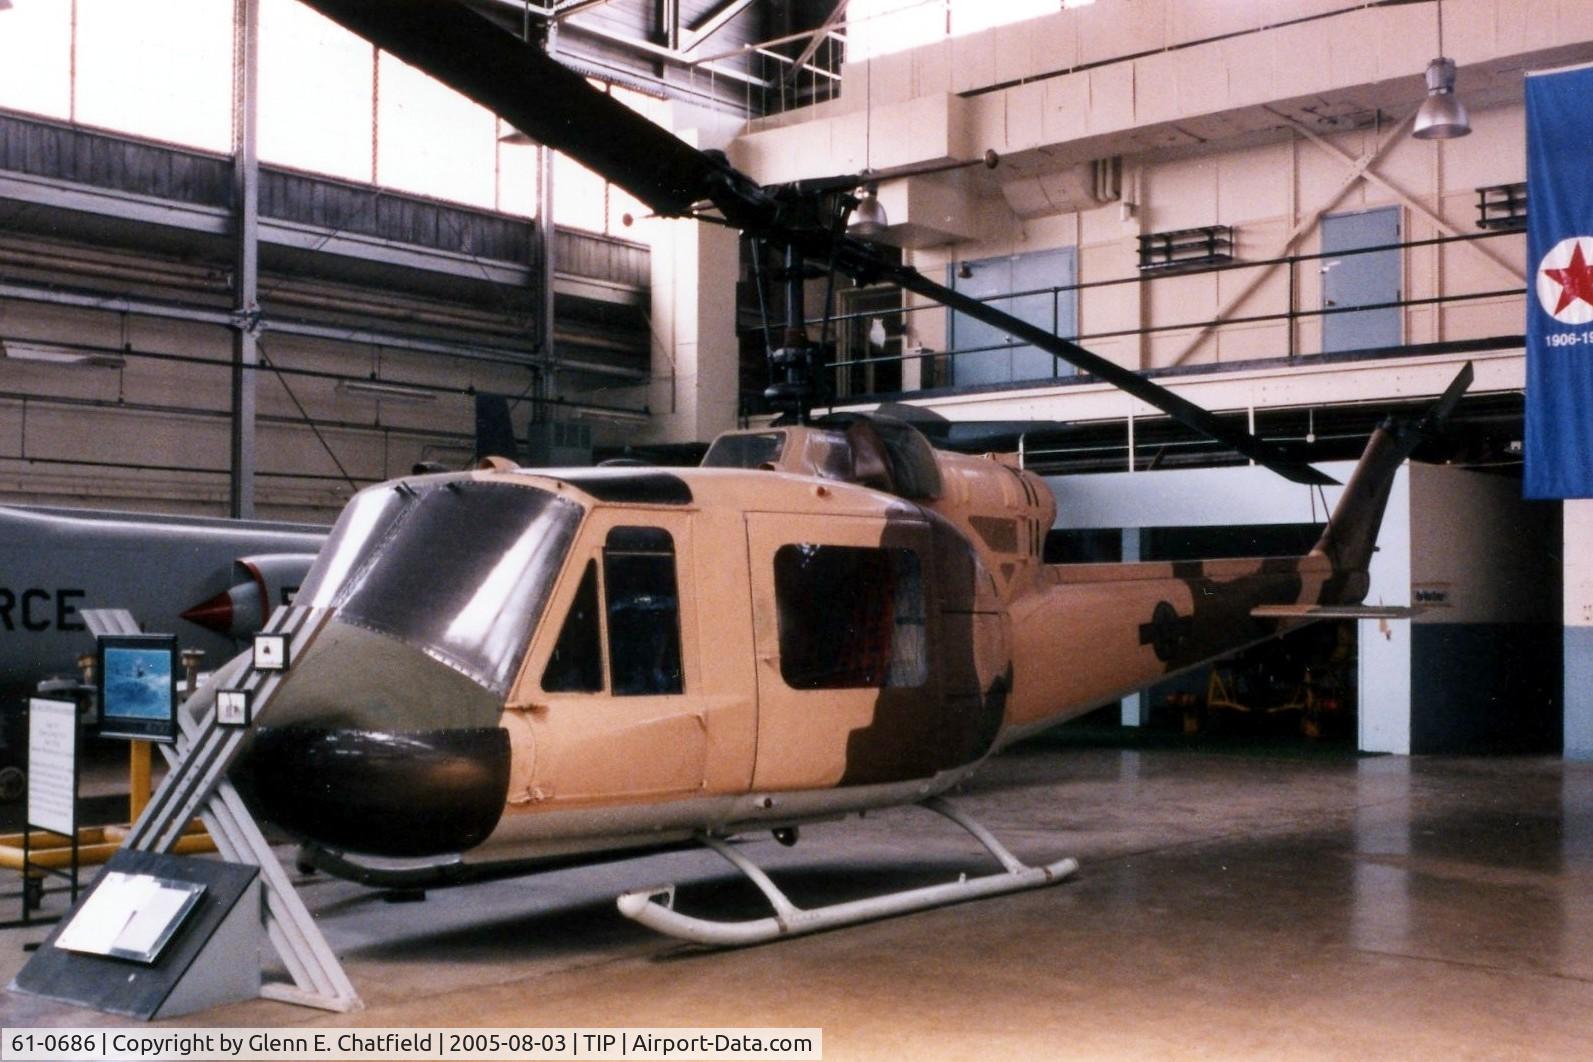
x=992, y=356
x=1360, y=280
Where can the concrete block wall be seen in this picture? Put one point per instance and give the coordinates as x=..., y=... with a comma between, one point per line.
x=1313, y=45
x=173, y=416
x=693, y=391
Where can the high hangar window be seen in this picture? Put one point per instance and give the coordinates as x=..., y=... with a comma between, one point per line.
x=850, y=617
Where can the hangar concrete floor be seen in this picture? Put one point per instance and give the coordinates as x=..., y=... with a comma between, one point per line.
x=1229, y=905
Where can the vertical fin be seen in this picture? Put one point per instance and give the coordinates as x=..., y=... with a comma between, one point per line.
x=494, y=429
x=1351, y=532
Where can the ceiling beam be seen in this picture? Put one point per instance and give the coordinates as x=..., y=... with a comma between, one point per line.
x=818, y=38
x=501, y=8
x=573, y=7
x=713, y=23
x=1359, y=168
x=1416, y=206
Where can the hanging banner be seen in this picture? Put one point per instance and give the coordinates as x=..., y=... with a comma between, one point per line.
x=1559, y=413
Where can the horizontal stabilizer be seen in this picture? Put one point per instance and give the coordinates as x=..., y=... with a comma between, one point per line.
x=1338, y=611
x=102, y=621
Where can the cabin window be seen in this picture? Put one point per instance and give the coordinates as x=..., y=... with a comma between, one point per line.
x=747, y=450
x=576, y=665
x=850, y=617
x=643, y=612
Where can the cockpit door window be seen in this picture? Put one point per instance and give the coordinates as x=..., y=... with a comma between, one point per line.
x=618, y=728
x=576, y=665
x=643, y=607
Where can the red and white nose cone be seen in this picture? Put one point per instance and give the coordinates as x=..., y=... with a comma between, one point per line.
x=235, y=611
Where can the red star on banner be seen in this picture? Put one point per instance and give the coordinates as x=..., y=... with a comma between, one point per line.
x=1575, y=280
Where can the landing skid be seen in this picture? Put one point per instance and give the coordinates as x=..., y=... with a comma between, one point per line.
x=654, y=907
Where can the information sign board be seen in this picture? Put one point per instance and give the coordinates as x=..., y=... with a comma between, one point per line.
x=130, y=916
x=52, y=765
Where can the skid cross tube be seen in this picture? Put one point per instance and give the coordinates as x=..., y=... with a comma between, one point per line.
x=654, y=907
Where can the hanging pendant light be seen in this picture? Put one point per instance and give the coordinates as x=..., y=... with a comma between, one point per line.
x=868, y=217
x=1442, y=116
x=515, y=137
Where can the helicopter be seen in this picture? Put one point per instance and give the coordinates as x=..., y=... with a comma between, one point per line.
x=519, y=668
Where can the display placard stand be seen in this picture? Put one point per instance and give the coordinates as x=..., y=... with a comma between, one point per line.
x=196, y=784
x=207, y=955
x=52, y=800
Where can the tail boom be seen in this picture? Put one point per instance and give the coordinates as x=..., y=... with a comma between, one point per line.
x=1089, y=633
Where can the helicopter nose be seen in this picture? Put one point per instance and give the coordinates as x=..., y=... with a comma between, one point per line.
x=371, y=746
x=401, y=793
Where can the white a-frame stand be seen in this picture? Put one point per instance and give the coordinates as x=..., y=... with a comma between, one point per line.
x=197, y=784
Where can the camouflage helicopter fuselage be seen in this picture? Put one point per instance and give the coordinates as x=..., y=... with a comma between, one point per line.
x=533, y=664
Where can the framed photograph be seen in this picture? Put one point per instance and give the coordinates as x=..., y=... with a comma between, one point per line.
x=233, y=708
x=137, y=680
x=272, y=652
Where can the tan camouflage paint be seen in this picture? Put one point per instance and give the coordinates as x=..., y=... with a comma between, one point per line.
x=1016, y=644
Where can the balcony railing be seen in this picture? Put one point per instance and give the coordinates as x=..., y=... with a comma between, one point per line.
x=937, y=367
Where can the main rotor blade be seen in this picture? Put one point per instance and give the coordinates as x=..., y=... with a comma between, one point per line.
x=845, y=182
x=550, y=103
x=555, y=106
x=1202, y=420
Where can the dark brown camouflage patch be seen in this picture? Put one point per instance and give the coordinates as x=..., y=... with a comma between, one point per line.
x=1166, y=632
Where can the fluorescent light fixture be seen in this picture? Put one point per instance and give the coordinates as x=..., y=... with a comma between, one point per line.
x=59, y=354
x=389, y=392
x=610, y=413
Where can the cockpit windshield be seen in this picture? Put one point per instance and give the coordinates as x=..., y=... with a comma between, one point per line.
x=459, y=569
